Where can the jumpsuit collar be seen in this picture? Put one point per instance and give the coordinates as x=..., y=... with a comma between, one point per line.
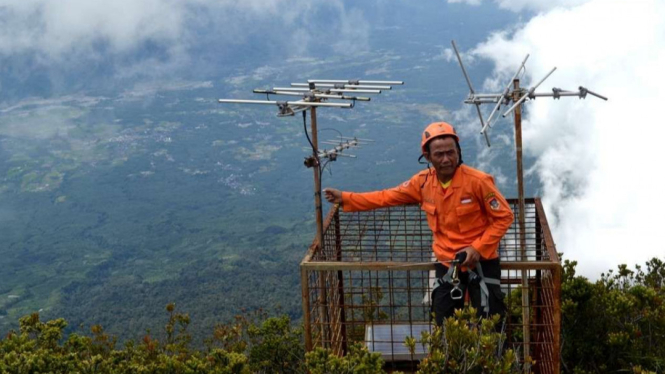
x=456, y=182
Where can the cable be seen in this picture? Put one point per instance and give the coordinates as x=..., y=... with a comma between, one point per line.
x=324, y=167
x=314, y=151
x=335, y=130
x=304, y=124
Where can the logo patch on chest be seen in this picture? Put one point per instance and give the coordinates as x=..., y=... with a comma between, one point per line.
x=466, y=200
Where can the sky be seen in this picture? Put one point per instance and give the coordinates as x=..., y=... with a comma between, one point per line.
x=598, y=162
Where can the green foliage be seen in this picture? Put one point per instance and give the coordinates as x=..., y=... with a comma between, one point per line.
x=275, y=347
x=466, y=344
x=244, y=346
x=616, y=323
x=38, y=348
x=357, y=361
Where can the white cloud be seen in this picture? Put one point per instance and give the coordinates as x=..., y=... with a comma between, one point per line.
x=58, y=28
x=532, y=5
x=353, y=32
x=599, y=162
x=74, y=30
x=469, y=2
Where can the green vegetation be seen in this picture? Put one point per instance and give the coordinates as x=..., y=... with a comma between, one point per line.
x=255, y=344
x=248, y=345
x=613, y=325
x=242, y=347
x=466, y=344
x=616, y=324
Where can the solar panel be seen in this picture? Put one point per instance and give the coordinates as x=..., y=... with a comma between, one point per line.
x=389, y=340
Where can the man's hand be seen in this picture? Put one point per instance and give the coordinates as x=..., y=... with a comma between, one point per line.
x=472, y=257
x=333, y=196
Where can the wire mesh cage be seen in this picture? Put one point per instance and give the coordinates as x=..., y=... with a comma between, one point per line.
x=370, y=282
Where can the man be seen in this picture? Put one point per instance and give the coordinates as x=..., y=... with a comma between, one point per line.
x=467, y=214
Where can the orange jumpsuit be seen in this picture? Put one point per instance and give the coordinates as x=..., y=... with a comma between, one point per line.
x=470, y=212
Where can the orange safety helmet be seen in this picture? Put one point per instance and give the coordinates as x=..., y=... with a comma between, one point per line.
x=436, y=129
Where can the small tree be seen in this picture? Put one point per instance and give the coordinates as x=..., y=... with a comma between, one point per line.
x=466, y=344
x=276, y=347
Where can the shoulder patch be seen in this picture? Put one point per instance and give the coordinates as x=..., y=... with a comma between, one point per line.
x=494, y=204
x=489, y=196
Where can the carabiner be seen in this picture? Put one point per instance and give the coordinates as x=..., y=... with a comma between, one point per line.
x=456, y=293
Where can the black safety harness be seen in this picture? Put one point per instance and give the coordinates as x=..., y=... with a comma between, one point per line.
x=452, y=277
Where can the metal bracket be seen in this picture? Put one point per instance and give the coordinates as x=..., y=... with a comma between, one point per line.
x=284, y=109
x=556, y=93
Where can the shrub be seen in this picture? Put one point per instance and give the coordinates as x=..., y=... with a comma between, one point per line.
x=466, y=344
x=616, y=323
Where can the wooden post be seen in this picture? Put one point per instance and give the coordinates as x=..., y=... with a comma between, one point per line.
x=526, y=320
x=304, y=284
x=317, y=180
x=323, y=292
x=556, y=279
x=340, y=282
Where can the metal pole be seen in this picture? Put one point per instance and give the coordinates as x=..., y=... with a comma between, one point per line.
x=505, y=92
x=531, y=90
x=526, y=323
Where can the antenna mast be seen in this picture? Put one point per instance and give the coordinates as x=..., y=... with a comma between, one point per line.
x=314, y=94
x=517, y=96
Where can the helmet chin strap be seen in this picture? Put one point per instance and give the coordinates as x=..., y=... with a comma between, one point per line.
x=459, y=152
x=428, y=168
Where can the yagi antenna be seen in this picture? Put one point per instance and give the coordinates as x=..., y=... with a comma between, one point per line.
x=316, y=93
x=310, y=96
x=339, y=146
x=517, y=96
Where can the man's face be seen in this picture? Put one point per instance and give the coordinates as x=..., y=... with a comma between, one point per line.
x=443, y=156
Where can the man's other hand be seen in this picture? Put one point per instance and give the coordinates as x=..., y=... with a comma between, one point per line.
x=472, y=257
x=333, y=196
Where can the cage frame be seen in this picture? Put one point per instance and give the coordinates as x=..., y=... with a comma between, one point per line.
x=325, y=313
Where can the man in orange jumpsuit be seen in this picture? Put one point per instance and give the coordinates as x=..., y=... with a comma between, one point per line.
x=466, y=213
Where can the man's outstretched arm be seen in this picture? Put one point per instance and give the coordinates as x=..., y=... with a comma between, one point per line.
x=406, y=193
